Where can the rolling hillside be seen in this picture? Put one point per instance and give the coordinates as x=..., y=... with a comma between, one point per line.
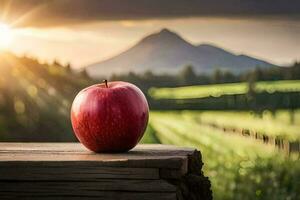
x=35, y=99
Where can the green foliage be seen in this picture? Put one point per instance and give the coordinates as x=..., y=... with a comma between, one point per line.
x=217, y=90
x=268, y=124
x=201, y=91
x=238, y=167
x=256, y=96
x=270, y=179
x=149, y=136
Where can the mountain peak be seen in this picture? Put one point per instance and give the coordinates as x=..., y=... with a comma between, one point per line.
x=164, y=35
x=166, y=31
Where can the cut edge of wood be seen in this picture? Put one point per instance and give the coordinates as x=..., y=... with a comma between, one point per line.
x=192, y=184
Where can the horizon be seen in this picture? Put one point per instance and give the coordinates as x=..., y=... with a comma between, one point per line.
x=84, y=33
x=131, y=43
x=192, y=43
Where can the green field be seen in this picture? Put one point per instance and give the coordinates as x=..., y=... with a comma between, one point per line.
x=238, y=167
x=216, y=90
x=277, y=125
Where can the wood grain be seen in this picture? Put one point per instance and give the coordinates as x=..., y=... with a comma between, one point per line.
x=70, y=171
x=86, y=187
x=145, y=156
x=81, y=172
x=111, y=195
x=77, y=147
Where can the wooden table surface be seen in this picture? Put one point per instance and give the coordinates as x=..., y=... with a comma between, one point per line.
x=69, y=170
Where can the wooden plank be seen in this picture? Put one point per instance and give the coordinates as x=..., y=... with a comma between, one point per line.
x=172, y=163
x=103, y=196
x=77, y=147
x=144, y=156
x=86, y=187
x=82, y=172
x=68, y=170
x=170, y=173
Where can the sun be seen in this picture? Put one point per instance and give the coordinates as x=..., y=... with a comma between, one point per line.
x=6, y=36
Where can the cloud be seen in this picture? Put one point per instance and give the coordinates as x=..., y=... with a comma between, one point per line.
x=63, y=12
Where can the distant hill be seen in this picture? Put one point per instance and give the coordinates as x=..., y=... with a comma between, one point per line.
x=166, y=51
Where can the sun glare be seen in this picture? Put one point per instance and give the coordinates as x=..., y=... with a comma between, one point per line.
x=6, y=36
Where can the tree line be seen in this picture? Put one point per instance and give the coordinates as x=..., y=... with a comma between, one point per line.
x=187, y=76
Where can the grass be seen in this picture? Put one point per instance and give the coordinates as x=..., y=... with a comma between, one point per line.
x=277, y=125
x=239, y=168
x=216, y=90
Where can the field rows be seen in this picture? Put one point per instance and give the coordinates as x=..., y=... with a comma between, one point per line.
x=181, y=129
x=229, y=159
x=277, y=126
x=267, y=124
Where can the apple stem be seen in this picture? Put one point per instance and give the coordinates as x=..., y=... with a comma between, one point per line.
x=105, y=81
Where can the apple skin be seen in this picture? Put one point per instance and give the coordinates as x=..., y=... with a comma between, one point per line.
x=110, y=117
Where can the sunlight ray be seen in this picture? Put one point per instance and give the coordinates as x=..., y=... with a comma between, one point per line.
x=6, y=10
x=28, y=14
x=6, y=36
x=58, y=97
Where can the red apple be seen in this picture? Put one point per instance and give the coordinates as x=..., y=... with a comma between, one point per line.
x=110, y=117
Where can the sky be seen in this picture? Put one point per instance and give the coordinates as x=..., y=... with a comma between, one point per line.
x=83, y=32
